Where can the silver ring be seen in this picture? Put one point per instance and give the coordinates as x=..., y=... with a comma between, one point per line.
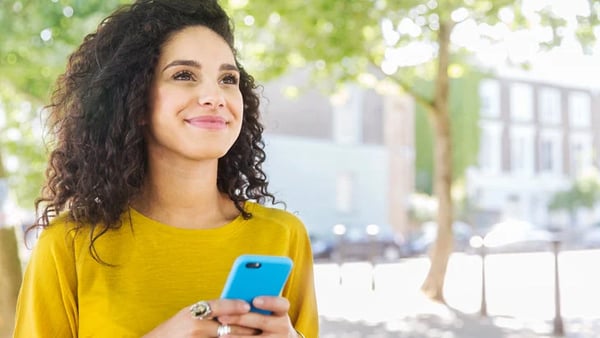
x=223, y=330
x=201, y=310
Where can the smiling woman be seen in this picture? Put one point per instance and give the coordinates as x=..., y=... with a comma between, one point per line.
x=155, y=186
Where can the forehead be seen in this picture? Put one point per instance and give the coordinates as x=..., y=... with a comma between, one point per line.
x=196, y=43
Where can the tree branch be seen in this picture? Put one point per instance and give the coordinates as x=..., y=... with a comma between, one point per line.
x=419, y=98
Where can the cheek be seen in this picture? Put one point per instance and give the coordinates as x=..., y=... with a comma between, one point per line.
x=238, y=105
x=166, y=102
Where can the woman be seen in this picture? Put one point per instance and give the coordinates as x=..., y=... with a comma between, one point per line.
x=155, y=186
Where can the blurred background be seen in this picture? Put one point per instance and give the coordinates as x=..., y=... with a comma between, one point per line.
x=444, y=155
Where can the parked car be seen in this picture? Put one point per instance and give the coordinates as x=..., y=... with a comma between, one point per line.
x=513, y=235
x=321, y=247
x=420, y=243
x=590, y=236
x=357, y=244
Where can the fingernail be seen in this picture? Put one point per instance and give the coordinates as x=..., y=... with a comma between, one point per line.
x=258, y=301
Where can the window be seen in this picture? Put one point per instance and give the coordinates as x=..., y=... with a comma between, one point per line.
x=579, y=109
x=521, y=102
x=521, y=150
x=550, y=152
x=490, y=151
x=580, y=153
x=347, y=108
x=344, y=192
x=489, y=96
x=549, y=106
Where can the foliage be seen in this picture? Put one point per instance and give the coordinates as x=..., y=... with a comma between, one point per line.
x=464, y=113
x=583, y=193
x=22, y=151
x=37, y=37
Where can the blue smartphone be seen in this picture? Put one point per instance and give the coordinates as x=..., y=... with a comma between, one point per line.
x=257, y=275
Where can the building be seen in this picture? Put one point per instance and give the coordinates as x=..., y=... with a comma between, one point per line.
x=537, y=136
x=345, y=160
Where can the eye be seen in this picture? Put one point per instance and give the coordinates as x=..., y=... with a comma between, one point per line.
x=184, y=75
x=230, y=79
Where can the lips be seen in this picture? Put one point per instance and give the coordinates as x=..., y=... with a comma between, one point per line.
x=207, y=122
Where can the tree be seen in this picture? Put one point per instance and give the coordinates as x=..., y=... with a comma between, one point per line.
x=583, y=193
x=353, y=41
x=10, y=268
x=36, y=39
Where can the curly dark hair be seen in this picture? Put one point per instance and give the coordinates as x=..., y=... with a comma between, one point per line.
x=99, y=160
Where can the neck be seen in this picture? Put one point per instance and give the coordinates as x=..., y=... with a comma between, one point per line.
x=185, y=197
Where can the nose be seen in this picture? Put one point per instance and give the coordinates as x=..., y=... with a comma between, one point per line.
x=210, y=96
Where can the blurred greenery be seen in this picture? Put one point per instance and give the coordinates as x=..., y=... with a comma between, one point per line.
x=464, y=113
x=583, y=193
x=37, y=37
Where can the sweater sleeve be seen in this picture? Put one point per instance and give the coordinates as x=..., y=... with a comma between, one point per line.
x=301, y=288
x=47, y=304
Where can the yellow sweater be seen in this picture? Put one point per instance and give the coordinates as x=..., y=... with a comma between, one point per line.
x=158, y=270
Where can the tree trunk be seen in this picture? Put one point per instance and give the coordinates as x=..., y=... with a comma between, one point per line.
x=10, y=279
x=433, y=286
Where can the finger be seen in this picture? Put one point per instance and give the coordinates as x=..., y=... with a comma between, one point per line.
x=236, y=330
x=278, y=305
x=228, y=307
x=264, y=324
x=218, y=307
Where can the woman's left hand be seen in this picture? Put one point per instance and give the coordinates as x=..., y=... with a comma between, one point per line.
x=275, y=325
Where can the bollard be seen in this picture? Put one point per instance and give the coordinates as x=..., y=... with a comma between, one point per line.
x=483, y=307
x=558, y=329
x=339, y=230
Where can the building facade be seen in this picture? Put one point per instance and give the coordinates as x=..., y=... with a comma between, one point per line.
x=536, y=138
x=345, y=159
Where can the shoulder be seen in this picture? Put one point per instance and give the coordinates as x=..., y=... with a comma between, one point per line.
x=59, y=230
x=62, y=236
x=281, y=217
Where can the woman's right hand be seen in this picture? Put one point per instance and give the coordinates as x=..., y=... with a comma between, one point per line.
x=184, y=324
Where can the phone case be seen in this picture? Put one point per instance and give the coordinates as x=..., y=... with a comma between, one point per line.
x=257, y=275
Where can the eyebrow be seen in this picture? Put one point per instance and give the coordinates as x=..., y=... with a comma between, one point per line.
x=196, y=64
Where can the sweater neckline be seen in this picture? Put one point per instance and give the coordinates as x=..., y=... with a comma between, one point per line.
x=139, y=218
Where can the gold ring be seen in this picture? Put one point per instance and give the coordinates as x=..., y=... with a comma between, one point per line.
x=201, y=310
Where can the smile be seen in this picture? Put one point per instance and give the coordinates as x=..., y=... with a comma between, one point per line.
x=207, y=122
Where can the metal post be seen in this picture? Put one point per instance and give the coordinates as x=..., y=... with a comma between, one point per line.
x=483, y=308
x=559, y=329
x=339, y=230
x=372, y=231
x=340, y=255
x=373, y=254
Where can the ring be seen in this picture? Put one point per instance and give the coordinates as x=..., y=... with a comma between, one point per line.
x=201, y=310
x=223, y=330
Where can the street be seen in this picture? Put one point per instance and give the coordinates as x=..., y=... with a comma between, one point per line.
x=520, y=297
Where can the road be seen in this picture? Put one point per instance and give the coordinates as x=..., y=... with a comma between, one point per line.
x=385, y=301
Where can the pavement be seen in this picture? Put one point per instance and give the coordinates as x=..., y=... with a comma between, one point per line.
x=358, y=300
x=460, y=325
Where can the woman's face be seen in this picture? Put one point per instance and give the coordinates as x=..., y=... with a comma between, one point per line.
x=196, y=106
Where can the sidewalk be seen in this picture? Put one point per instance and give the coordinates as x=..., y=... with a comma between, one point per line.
x=457, y=325
x=359, y=301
